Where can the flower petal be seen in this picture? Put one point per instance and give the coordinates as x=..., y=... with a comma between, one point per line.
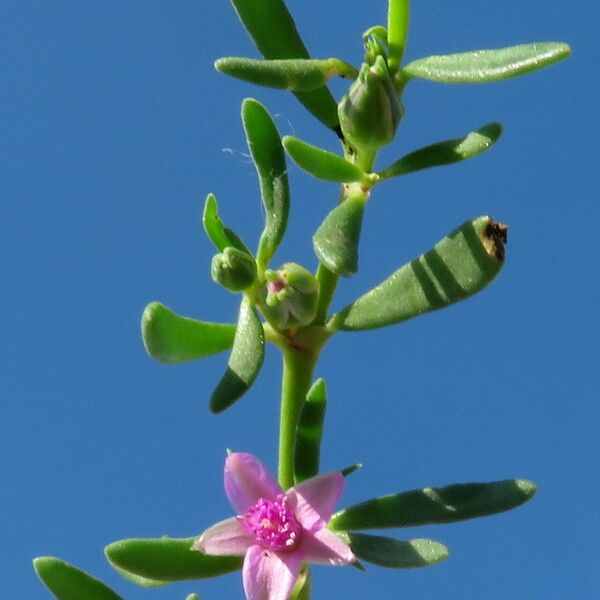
x=325, y=548
x=269, y=576
x=226, y=538
x=313, y=500
x=247, y=481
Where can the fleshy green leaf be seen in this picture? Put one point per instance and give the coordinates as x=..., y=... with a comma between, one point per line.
x=274, y=32
x=446, y=152
x=321, y=163
x=435, y=505
x=172, y=339
x=192, y=597
x=294, y=74
x=397, y=31
x=267, y=152
x=307, y=450
x=218, y=234
x=167, y=560
x=457, y=267
x=245, y=360
x=67, y=582
x=395, y=554
x=336, y=240
x=138, y=580
x=482, y=66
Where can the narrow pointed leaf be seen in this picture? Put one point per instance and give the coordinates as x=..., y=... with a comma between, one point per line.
x=67, y=582
x=172, y=339
x=482, y=66
x=167, y=560
x=245, y=360
x=435, y=505
x=336, y=240
x=309, y=434
x=267, y=152
x=457, y=267
x=274, y=32
x=321, y=163
x=218, y=234
x=351, y=469
x=395, y=554
x=294, y=74
x=446, y=152
x=397, y=31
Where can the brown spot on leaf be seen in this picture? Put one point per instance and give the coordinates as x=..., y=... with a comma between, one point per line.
x=495, y=236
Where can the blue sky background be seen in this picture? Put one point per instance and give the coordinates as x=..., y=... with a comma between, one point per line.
x=114, y=126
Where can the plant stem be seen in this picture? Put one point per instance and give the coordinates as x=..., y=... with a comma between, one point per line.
x=298, y=369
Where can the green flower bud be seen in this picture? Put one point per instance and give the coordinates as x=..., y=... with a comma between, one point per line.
x=370, y=111
x=290, y=296
x=233, y=269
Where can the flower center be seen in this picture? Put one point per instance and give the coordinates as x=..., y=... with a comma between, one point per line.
x=276, y=286
x=273, y=524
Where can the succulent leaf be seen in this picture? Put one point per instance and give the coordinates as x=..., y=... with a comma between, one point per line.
x=445, y=153
x=245, y=360
x=482, y=66
x=67, y=582
x=310, y=432
x=267, y=152
x=294, y=74
x=172, y=339
x=167, y=560
x=395, y=554
x=321, y=163
x=435, y=505
x=460, y=265
x=336, y=240
x=263, y=18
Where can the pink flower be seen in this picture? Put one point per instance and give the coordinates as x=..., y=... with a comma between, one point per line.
x=276, y=531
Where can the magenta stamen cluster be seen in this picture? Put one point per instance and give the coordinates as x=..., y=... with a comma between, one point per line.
x=276, y=286
x=273, y=524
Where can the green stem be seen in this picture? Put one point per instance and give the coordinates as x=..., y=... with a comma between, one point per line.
x=398, y=17
x=298, y=369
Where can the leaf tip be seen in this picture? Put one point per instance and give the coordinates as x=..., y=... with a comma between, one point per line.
x=148, y=327
x=493, y=130
x=526, y=487
x=109, y=551
x=351, y=469
x=563, y=50
x=39, y=562
x=495, y=235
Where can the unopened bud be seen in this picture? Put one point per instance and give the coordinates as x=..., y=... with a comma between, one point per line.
x=233, y=269
x=370, y=111
x=291, y=296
